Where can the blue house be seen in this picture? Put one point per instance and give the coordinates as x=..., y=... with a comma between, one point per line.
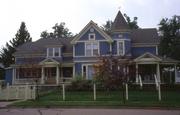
x=53, y=60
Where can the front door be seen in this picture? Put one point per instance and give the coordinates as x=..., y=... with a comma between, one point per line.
x=50, y=75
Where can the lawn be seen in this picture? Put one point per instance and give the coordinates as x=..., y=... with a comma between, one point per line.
x=104, y=99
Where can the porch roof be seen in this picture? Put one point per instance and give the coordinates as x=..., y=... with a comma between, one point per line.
x=149, y=58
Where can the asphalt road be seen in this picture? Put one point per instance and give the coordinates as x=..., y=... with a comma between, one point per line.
x=54, y=111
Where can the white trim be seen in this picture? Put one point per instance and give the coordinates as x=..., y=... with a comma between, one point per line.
x=92, y=34
x=87, y=61
x=157, y=50
x=86, y=65
x=59, y=48
x=93, y=42
x=122, y=41
x=125, y=39
x=73, y=50
x=110, y=48
x=86, y=28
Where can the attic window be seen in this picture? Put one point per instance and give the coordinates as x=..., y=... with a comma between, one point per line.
x=91, y=36
x=53, y=52
x=120, y=35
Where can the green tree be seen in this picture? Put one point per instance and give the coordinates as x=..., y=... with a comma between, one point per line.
x=170, y=37
x=44, y=34
x=59, y=31
x=107, y=27
x=22, y=36
x=132, y=24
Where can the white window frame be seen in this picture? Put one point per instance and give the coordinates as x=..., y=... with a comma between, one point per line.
x=86, y=66
x=91, y=48
x=54, y=52
x=120, y=41
x=92, y=34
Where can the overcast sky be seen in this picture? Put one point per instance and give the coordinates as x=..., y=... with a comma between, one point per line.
x=40, y=15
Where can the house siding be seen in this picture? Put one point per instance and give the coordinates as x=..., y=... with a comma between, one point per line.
x=124, y=36
x=8, y=76
x=86, y=35
x=127, y=47
x=104, y=48
x=78, y=68
x=137, y=51
x=114, y=48
x=80, y=49
x=29, y=60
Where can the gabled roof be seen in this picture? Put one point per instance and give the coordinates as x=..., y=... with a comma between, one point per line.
x=119, y=23
x=148, y=35
x=49, y=61
x=40, y=46
x=148, y=57
x=86, y=28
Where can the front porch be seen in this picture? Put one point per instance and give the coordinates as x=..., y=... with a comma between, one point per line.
x=48, y=72
x=151, y=69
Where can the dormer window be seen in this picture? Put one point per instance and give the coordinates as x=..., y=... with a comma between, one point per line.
x=91, y=36
x=53, y=52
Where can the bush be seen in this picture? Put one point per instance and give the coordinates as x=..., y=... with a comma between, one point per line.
x=80, y=84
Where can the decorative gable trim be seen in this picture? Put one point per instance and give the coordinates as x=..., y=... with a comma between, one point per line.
x=147, y=57
x=86, y=28
x=49, y=61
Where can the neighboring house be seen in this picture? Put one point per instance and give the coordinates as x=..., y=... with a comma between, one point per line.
x=52, y=60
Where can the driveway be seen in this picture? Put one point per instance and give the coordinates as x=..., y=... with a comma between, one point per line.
x=87, y=112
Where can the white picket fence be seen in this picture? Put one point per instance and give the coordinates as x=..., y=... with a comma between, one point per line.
x=18, y=92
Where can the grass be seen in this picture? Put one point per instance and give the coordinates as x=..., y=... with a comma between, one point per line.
x=104, y=99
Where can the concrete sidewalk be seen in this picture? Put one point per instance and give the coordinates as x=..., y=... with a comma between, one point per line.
x=54, y=111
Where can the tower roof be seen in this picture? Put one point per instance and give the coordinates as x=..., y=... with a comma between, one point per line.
x=119, y=23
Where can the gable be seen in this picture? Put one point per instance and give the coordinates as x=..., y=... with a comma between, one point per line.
x=147, y=57
x=49, y=61
x=91, y=28
x=92, y=31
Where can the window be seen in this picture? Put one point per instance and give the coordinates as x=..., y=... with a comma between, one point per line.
x=88, y=49
x=91, y=49
x=50, y=52
x=53, y=52
x=91, y=36
x=56, y=52
x=121, y=48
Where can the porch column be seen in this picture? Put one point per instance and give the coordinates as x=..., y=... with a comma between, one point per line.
x=57, y=75
x=137, y=73
x=14, y=75
x=158, y=73
x=42, y=75
x=175, y=72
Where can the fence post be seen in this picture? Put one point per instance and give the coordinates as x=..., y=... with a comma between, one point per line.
x=34, y=92
x=26, y=91
x=7, y=96
x=17, y=92
x=63, y=91
x=126, y=91
x=159, y=91
x=94, y=89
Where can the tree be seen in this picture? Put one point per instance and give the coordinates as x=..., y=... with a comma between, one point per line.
x=107, y=27
x=44, y=34
x=132, y=24
x=59, y=31
x=22, y=36
x=170, y=37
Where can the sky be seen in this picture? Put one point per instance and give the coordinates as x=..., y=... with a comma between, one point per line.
x=40, y=15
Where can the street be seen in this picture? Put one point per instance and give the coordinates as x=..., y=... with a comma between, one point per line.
x=57, y=111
